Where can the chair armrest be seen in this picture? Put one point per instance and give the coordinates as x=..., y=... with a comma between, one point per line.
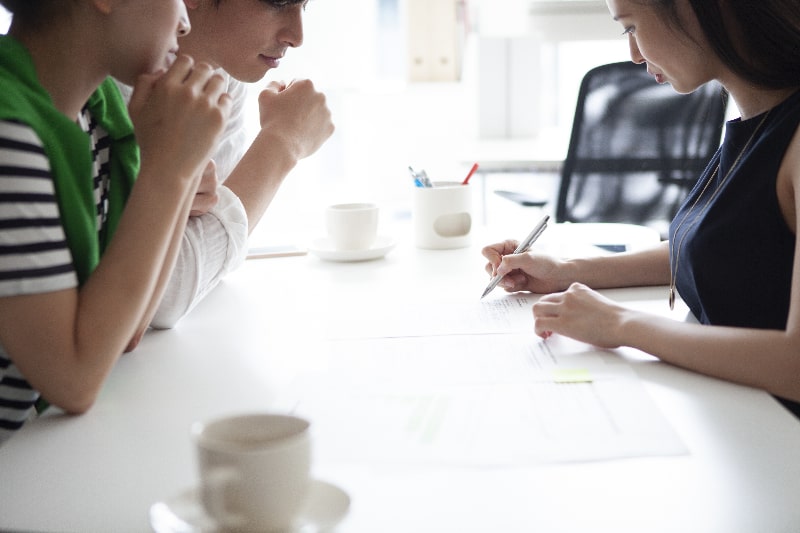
x=522, y=198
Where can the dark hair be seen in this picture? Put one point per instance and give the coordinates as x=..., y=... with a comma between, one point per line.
x=35, y=13
x=758, y=40
x=20, y=6
x=273, y=3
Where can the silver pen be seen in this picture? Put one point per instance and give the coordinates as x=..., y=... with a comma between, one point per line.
x=523, y=247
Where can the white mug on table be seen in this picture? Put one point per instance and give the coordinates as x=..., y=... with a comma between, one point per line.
x=352, y=226
x=254, y=470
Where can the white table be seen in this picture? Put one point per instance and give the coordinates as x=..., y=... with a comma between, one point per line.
x=241, y=349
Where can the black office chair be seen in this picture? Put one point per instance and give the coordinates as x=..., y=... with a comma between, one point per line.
x=636, y=147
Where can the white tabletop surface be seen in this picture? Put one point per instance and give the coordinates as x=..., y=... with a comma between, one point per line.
x=241, y=350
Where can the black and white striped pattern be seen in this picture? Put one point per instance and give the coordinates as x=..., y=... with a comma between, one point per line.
x=33, y=250
x=34, y=256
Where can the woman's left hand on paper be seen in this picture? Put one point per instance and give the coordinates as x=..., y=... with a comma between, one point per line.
x=580, y=313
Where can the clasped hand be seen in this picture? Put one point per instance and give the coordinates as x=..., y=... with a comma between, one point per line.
x=178, y=116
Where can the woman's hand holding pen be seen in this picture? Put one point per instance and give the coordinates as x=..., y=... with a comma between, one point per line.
x=567, y=308
x=529, y=271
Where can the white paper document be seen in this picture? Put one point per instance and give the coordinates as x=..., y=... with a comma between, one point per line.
x=507, y=314
x=488, y=400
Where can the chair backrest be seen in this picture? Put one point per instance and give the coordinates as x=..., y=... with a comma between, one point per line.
x=636, y=147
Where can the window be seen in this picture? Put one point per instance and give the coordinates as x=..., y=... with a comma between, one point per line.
x=356, y=52
x=529, y=70
x=5, y=20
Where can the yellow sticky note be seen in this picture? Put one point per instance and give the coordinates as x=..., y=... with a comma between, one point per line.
x=572, y=375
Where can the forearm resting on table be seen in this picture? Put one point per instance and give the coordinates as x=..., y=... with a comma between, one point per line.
x=765, y=359
x=164, y=276
x=138, y=258
x=627, y=269
x=66, y=342
x=212, y=245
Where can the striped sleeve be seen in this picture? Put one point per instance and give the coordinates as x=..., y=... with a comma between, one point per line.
x=17, y=399
x=34, y=256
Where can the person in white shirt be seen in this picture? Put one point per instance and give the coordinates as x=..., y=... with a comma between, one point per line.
x=243, y=40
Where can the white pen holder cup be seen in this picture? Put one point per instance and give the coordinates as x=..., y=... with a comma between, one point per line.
x=443, y=215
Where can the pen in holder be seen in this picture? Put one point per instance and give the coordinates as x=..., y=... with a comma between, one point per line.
x=443, y=215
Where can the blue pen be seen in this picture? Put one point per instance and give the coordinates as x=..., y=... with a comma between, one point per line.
x=423, y=177
x=414, y=175
x=418, y=178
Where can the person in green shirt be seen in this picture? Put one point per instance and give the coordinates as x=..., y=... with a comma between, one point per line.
x=93, y=202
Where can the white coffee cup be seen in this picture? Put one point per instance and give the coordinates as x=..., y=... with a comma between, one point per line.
x=443, y=215
x=254, y=470
x=352, y=226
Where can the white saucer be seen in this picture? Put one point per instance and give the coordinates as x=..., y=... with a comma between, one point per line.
x=323, y=248
x=327, y=505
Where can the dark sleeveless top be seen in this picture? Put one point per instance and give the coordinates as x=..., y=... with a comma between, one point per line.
x=736, y=258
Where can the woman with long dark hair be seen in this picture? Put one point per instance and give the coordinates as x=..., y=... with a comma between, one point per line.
x=732, y=251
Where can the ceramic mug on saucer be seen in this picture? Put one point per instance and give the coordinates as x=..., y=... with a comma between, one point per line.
x=254, y=470
x=352, y=226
